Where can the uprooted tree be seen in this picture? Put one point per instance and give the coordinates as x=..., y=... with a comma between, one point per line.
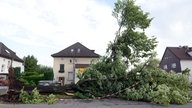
x=121, y=73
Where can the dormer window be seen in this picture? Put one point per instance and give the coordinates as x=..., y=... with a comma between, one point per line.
x=7, y=51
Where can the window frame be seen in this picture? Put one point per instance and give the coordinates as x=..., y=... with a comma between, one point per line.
x=165, y=67
x=61, y=68
x=69, y=78
x=3, y=68
x=173, y=65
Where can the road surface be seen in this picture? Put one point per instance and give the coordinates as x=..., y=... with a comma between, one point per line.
x=104, y=103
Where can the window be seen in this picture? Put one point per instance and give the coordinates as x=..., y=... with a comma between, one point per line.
x=78, y=50
x=62, y=66
x=72, y=50
x=7, y=51
x=70, y=76
x=2, y=68
x=173, y=65
x=8, y=64
x=71, y=61
x=165, y=67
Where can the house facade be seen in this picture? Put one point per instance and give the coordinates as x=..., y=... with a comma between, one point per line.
x=6, y=56
x=70, y=61
x=177, y=59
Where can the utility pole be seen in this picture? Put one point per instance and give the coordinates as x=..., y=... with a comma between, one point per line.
x=73, y=54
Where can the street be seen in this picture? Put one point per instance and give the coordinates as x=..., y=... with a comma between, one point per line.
x=104, y=103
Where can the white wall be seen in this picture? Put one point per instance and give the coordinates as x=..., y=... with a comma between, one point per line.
x=187, y=64
x=6, y=62
x=68, y=66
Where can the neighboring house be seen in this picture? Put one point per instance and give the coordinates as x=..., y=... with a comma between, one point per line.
x=71, y=60
x=177, y=59
x=6, y=55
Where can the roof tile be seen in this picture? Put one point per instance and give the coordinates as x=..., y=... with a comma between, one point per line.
x=8, y=53
x=181, y=52
x=76, y=50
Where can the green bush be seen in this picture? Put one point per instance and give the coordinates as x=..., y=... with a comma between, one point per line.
x=35, y=97
x=161, y=95
x=132, y=94
x=44, y=69
x=51, y=99
x=17, y=71
x=24, y=97
x=83, y=96
x=30, y=73
x=24, y=81
x=32, y=78
x=179, y=97
x=48, y=75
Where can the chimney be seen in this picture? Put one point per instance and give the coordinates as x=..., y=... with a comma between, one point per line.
x=185, y=46
x=180, y=46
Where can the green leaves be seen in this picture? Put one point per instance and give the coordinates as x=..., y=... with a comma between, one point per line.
x=122, y=74
x=161, y=95
x=131, y=41
x=35, y=97
x=30, y=63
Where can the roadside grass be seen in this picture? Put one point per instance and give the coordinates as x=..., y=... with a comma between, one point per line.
x=59, y=96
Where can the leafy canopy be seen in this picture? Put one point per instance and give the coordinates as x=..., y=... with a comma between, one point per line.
x=131, y=41
x=112, y=76
x=30, y=64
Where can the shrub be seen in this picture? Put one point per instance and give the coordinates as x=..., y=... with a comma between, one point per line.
x=31, y=78
x=83, y=96
x=48, y=75
x=132, y=94
x=51, y=99
x=17, y=71
x=179, y=97
x=35, y=97
x=24, y=96
x=30, y=73
x=161, y=95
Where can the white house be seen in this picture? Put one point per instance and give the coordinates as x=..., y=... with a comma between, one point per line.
x=6, y=55
x=177, y=59
x=71, y=60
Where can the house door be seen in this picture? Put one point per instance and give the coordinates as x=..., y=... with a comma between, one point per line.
x=62, y=80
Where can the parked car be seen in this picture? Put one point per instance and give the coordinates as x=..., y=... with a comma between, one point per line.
x=49, y=83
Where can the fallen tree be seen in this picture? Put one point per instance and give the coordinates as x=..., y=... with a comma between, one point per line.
x=150, y=84
x=129, y=70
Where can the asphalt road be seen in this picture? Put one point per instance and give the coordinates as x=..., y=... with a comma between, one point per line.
x=105, y=103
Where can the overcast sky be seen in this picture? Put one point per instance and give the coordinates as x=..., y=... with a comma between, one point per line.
x=44, y=27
